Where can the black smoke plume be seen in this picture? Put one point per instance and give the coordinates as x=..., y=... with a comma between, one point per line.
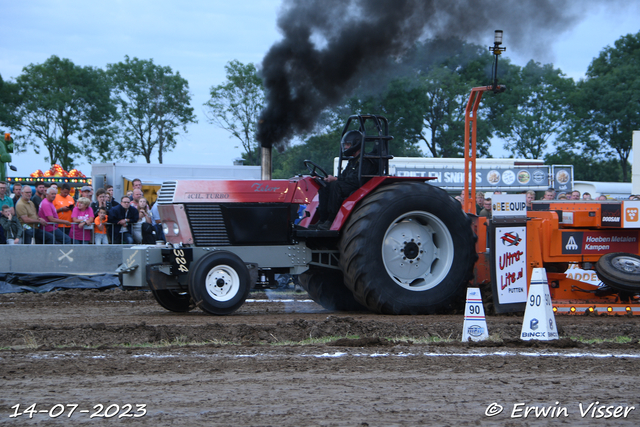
x=328, y=45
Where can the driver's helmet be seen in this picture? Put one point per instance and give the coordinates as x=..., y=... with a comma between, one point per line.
x=353, y=137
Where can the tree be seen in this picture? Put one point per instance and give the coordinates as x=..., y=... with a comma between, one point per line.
x=321, y=149
x=608, y=103
x=152, y=103
x=8, y=103
x=401, y=103
x=446, y=78
x=236, y=104
x=533, y=110
x=65, y=106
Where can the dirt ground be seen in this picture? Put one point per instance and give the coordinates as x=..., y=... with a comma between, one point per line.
x=121, y=349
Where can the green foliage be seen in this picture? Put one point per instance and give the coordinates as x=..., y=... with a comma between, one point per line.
x=608, y=102
x=8, y=104
x=236, y=104
x=321, y=149
x=153, y=103
x=533, y=110
x=66, y=107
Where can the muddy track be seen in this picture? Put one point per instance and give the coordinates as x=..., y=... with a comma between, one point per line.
x=117, y=348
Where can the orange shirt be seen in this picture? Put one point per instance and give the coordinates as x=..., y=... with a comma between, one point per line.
x=60, y=202
x=97, y=222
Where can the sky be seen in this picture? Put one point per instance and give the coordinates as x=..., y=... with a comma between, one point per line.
x=197, y=38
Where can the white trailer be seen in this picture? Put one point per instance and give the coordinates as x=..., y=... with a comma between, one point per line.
x=152, y=176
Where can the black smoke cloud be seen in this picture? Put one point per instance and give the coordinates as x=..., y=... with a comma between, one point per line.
x=328, y=45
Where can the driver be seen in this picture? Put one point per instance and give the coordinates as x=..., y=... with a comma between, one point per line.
x=332, y=195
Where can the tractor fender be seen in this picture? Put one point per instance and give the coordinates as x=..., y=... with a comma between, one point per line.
x=352, y=201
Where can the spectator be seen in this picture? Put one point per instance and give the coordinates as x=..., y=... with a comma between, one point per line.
x=575, y=195
x=486, y=210
x=81, y=216
x=33, y=225
x=157, y=221
x=531, y=196
x=586, y=196
x=49, y=213
x=40, y=194
x=137, y=195
x=137, y=184
x=549, y=194
x=144, y=216
x=123, y=216
x=602, y=197
x=562, y=196
x=634, y=197
x=479, y=202
x=4, y=197
x=64, y=203
x=109, y=189
x=11, y=226
x=100, y=228
x=86, y=192
x=102, y=201
x=17, y=192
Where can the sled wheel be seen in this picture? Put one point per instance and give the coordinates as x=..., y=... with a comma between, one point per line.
x=326, y=287
x=179, y=302
x=620, y=270
x=219, y=283
x=408, y=248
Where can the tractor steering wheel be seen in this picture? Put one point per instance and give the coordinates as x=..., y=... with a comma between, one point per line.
x=314, y=169
x=317, y=172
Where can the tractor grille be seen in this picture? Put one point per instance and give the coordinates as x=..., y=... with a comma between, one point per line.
x=166, y=193
x=207, y=224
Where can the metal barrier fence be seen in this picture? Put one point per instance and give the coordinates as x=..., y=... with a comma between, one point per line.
x=63, y=236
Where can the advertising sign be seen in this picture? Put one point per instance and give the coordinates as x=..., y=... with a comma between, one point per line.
x=509, y=205
x=611, y=215
x=562, y=177
x=517, y=178
x=631, y=215
x=511, y=264
x=599, y=242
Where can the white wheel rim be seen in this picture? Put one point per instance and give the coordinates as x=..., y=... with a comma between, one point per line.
x=417, y=251
x=626, y=264
x=222, y=283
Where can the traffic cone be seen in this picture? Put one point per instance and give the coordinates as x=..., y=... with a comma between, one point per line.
x=475, y=325
x=539, y=321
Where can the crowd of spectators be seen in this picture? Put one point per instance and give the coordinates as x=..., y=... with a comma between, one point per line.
x=483, y=205
x=42, y=214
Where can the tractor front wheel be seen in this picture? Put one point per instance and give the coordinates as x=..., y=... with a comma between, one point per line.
x=219, y=283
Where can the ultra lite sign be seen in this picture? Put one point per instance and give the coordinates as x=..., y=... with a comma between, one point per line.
x=509, y=205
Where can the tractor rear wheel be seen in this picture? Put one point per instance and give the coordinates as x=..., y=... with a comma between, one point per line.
x=173, y=300
x=326, y=287
x=620, y=270
x=219, y=283
x=408, y=248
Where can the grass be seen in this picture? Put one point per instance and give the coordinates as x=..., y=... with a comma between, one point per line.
x=30, y=340
x=618, y=340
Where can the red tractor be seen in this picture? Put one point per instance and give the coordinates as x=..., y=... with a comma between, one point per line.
x=397, y=245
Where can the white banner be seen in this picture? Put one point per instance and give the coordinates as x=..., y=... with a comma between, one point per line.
x=511, y=264
x=509, y=205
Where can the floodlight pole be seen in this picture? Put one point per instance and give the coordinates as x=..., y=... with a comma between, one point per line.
x=470, y=127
